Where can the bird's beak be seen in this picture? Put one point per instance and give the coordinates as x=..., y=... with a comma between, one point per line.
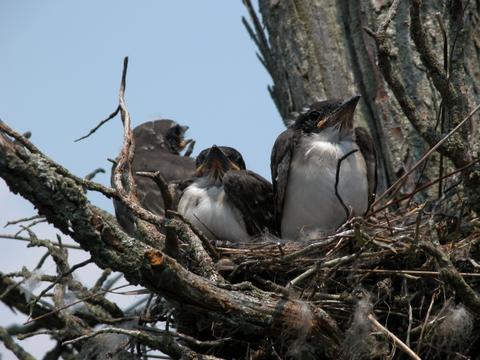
x=216, y=163
x=184, y=142
x=343, y=116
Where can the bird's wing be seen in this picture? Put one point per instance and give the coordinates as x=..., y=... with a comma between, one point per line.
x=365, y=144
x=148, y=137
x=282, y=153
x=253, y=196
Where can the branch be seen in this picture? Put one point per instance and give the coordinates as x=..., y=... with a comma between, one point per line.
x=162, y=186
x=337, y=179
x=258, y=36
x=23, y=238
x=94, y=173
x=15, y=298
x=252, y=311
x=13, y=222
x=457, y=150
x=205, y=241
x=203, y=261
x=164, y=341
x=123, y=180
x=111, y=116
x=13, y=346
x=90, y=185
x=60, y=277
x=421, y=188
x=395, y=339
x=450, y=275
x=419, y=36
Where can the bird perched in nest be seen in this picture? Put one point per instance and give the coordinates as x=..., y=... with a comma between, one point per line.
x=323, y=170
x=158, y=145
x=225, y=200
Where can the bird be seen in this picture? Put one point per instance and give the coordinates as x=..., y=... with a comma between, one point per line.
x=158, y=144
x=323, y=170
x=226, y=201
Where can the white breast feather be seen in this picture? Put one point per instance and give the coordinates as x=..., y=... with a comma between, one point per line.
x=310, y=202
x=207, y=208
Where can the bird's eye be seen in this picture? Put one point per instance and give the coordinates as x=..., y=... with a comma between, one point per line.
x=314, y=115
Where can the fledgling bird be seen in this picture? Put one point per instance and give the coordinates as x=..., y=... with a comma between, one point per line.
x=225, y=200
x=304, y=164
x=158, y=144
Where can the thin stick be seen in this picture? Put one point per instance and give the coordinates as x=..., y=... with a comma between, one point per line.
x=61, y=276
x=22, y=238
x=410, y=319
x=337, y=179
x=123, y=181
x=110, y=117
x=163, y=187
x=10, y=344
x=13, y=222
x=93, y=173
x=425, y=157
x=404, y=272
x=427, y=316
x=71, y=304
x=395, y=339
x=108, y=330
x=90, y=185
x=396, y=201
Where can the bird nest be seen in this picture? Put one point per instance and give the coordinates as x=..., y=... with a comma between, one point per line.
x=395, y=279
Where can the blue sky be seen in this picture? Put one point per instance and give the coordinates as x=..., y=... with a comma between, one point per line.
x=60, y=68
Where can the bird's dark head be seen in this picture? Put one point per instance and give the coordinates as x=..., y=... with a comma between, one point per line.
x=334, y=117
x=214, y=162
x=175, y=137
x=163, y=133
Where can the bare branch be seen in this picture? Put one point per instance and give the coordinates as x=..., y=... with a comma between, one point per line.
x=427, y=155
x=429, y=59
x=92, y=174
x=395, y=339
x=452, y=277
x=163, y=341
x=205, y=241
x=90, y=185
x=61, y=276
x=23, y=238
x=13, y=346
x=337, y=179
x=13, y=222
x=163, y=186
x=111, y=116
x=421, y=188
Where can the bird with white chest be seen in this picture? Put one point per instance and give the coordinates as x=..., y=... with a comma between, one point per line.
x=226, y=201
x=323, y=170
